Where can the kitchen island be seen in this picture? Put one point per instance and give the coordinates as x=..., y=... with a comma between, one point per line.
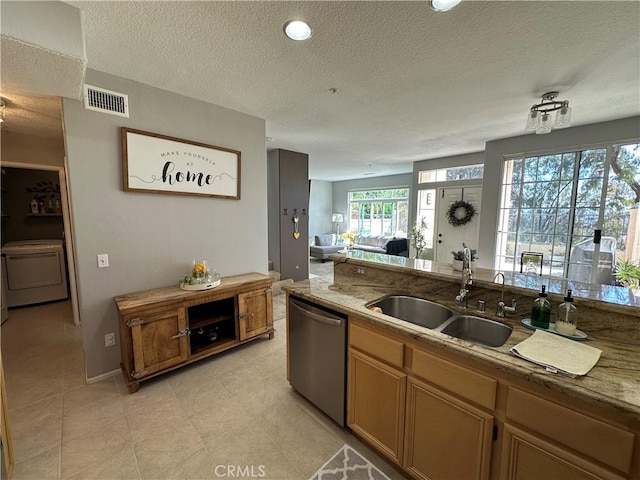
x=523, y=419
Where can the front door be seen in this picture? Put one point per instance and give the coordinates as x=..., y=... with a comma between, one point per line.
x=449, y=237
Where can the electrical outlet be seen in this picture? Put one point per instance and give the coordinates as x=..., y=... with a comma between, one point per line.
x=103, y=260
x=361, y=271
x=109, y=339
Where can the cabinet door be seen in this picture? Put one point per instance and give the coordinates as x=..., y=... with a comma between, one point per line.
x=376, y=398
x=255, y=313
x=159, y=341
x=527, y=457
x=446, y=438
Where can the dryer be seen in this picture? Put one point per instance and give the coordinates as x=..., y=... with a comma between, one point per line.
x=35, y=271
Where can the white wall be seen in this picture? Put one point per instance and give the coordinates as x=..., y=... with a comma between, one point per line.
x=151, y=238
x=321, y=208
x=626, y=130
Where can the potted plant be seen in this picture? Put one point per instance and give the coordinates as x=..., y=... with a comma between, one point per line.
x=628, y=274
x=458, y=258
x=418, y=241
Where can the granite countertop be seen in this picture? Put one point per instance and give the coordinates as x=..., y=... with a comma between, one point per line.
x=613, y=383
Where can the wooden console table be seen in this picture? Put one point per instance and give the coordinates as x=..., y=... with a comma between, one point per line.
x=166, y=328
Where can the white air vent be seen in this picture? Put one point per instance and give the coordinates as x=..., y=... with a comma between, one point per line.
x=106, y=101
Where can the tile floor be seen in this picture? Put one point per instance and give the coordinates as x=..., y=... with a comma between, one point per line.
x=200, y=422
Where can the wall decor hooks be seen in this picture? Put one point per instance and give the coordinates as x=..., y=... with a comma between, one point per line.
x=285, y=212
x=296, y=220
x=304, y=211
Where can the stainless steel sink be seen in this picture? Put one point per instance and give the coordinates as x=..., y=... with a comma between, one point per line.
x=414, y=310
x=477, y=330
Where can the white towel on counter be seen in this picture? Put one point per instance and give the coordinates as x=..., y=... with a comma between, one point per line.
x=557, y=354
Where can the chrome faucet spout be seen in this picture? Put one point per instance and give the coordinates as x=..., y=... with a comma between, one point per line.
x=467, y=278
x=503, y=308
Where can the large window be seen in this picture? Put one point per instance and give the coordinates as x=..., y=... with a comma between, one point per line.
x=379, y=212
x=553, y=204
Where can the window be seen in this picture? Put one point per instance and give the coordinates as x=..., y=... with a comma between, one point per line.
x=379, y=212
x=552, y=204
x=469, y=172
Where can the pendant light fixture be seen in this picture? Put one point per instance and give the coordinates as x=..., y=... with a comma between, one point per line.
x=543, y=117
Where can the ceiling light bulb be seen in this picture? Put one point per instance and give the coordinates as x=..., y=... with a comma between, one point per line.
x=444, y=5
x=297, y=30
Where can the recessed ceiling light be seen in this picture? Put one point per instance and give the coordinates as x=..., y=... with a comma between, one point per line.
x=297, y=30
x=444, y=5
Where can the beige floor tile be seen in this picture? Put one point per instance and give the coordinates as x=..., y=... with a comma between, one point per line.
x=224, y=362
x=22, y=395
x=208, y=394
x=266, y=394
x=291, y=429
x=274, y=362
x=44, y=466
x=93, y=447
x=121, y=465
x=214, y=423
x=164, y=415
x=81, y=420
x=249, y=451
x=198, y=465
x=31, y=415
x=87, y=394
x=144, y=399
x=36, y=439
x=74, y=378
x=241, y=378
x=164, y=449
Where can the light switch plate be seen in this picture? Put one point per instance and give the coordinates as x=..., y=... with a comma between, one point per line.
x=103, y=260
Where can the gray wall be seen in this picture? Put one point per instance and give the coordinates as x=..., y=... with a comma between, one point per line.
x=321, y=208
x=151, y=238
x=341, y=191
x=626, y=130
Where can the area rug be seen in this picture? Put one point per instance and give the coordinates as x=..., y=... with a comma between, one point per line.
x=347, y=464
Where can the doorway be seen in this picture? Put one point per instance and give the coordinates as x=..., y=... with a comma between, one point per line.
x=451, y=237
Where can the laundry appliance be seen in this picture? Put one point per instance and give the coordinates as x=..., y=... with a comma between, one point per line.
x=34, y=271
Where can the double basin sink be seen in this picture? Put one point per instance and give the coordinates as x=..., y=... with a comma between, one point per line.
x=441, y=319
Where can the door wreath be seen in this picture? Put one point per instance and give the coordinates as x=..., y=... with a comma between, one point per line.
x=460, y=213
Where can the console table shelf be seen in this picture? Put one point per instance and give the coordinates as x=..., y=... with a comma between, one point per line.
x=166, y=328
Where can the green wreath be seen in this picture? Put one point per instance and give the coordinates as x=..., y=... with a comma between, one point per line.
x=460, y=213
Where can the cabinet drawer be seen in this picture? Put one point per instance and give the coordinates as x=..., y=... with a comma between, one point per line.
x=456, y=379
x=391, y=351
x=589, y=436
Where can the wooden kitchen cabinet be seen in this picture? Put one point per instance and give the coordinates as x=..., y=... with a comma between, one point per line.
x=529, y=457
x=539, y=443
x=461, y=420
x=166, y=328
x=446, y=438
x=376, y=397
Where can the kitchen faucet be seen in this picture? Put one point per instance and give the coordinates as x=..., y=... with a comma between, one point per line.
x=467, y=278
x=503, y=307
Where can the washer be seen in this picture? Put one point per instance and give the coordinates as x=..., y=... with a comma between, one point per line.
x=35, y=271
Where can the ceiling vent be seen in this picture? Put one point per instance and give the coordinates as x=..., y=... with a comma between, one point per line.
x=106, y=101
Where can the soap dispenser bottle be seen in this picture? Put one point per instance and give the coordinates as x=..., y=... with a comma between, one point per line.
x=566, y=322
x=541, y=311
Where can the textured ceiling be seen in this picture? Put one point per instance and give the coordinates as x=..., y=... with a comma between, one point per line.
x=412, y=84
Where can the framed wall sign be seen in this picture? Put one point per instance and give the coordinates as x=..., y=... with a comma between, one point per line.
x=161, y=164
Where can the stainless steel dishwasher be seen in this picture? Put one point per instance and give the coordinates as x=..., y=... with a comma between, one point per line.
x=318, y=355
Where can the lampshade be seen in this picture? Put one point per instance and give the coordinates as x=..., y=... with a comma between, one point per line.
x=337, y=217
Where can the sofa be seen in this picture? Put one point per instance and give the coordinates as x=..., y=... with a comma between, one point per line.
x=382, y=244
x=324, y=245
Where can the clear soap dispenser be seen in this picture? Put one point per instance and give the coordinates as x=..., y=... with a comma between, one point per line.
x=566, y=322
x=541, y=311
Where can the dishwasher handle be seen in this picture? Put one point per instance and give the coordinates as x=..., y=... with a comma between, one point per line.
x=314, y=316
